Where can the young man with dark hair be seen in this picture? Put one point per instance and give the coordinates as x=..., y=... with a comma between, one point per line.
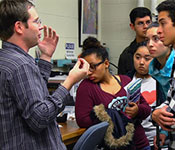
x=140, y=18
x=166, y=30
x=27, y=111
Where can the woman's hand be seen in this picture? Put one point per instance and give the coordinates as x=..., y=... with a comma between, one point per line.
x=132, y=110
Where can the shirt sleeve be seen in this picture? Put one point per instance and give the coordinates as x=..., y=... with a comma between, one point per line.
x=32, y=98
x=45, y=69
x=144, y=109
x=84, y=105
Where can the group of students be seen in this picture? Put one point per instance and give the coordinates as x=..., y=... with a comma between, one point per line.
x=28, y=112
x=150, y=57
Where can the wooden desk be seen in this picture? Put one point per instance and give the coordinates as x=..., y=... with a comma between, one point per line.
x=70, y=132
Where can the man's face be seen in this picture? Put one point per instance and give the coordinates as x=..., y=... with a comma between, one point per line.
x=166, y=29
x=140, y=26
x=32, y=34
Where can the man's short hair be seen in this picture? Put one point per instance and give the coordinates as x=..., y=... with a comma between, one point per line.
x=10, y=12
x=169, y=6
x=139, y=12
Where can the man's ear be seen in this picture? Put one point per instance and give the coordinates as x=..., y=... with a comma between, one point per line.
x=18, y=27
x=132, y=26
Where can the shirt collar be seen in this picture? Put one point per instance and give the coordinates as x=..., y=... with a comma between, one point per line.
x=12, y=47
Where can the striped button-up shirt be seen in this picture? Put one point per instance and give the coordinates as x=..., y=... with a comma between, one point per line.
x=171, y=102
x=27, y=111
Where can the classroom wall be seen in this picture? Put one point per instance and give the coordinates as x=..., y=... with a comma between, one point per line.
x=115, y=26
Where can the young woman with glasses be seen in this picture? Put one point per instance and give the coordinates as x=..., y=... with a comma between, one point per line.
x=101, y=87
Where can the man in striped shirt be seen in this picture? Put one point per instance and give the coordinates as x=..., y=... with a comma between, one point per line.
x=27, y=111
x=166, y=30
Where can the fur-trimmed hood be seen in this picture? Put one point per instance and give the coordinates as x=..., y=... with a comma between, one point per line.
x=110, y=140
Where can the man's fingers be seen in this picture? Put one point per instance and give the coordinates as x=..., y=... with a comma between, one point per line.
x=45, y=31
x=50, y=32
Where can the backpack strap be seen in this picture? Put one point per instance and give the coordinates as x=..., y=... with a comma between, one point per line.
x=117, y=80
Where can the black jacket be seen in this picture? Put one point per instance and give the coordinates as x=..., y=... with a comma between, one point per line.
x=125, y=63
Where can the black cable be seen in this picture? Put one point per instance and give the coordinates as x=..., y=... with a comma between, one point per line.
x=113, y=65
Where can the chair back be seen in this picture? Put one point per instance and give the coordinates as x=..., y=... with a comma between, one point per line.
x=92, y=137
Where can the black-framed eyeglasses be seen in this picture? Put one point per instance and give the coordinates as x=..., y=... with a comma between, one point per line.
x=142, y=23
x=93, y=67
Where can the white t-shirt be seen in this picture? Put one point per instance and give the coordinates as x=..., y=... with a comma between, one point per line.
x=148, y=90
